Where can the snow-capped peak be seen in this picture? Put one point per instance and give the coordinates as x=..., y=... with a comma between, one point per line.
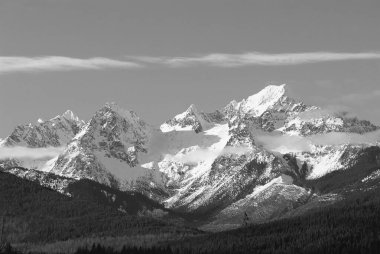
x=191, y=119
x=191, y=110
x=111, y=141
x=258, y=103
x=69, y=115
x=55, y=132
x=111, y=117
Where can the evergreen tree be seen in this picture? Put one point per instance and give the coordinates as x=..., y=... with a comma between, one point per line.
x=246, y=220
x=304, y=169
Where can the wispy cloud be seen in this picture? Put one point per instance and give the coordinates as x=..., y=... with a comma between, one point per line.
x=255, y=58
x=60, y=63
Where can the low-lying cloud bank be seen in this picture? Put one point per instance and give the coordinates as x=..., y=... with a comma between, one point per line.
x=204, y=154
x=287, y=143
x=20, y=152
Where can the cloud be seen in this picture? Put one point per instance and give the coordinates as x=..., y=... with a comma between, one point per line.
x=284, y=143
x=60, y=63
x=327, y=111
x=287, y=143
x=204, y=154
x=20, y=152
x=255, y=58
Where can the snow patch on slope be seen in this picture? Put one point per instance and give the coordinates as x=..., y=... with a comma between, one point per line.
x=283, y=179
x=374, y=175
x=326, y=164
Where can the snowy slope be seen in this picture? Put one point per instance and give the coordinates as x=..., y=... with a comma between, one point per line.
x=265, y=202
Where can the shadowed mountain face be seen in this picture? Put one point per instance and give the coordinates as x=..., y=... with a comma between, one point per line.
x=267, y=156
x=127, y=202
x=38, y=214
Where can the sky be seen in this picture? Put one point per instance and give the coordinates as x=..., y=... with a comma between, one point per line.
x=157, y=57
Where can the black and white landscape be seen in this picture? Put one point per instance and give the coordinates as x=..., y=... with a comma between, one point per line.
x=163, y=127
x=267, y=159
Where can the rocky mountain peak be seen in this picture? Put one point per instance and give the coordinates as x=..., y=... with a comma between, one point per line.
x=192, y=109
x=272, y=98
x=107, y=148
x=69, y=115
x=191, y=119
x=57, y=131
x=111, y=109
x=115, y=123
x=258, y=103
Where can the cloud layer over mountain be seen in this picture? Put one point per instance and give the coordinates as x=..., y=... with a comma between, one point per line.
x=288, y=143
x=29, y=153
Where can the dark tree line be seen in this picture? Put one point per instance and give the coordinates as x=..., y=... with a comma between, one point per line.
x=98, y=249
x=350, y=226
x=38, y=214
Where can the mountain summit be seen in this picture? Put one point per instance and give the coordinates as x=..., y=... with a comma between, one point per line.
x=257, y=104
x=191, y=119
x=57, y=131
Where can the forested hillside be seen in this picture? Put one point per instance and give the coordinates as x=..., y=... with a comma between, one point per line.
x=31, y=213
x=40, y=215
x=350, y=226
x=132, y=203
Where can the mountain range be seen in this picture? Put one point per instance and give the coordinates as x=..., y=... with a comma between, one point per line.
x=267, y=157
